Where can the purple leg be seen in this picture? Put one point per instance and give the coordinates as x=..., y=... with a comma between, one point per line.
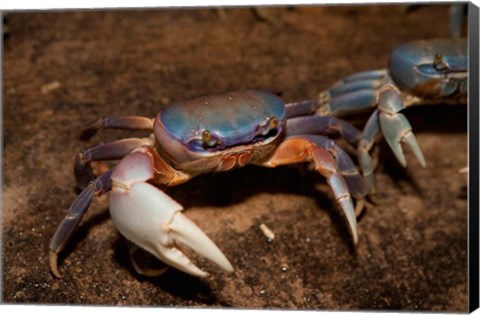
x=74, y=215
x=346, y=167
x=325, y=125
x=302, y=108
x=109, y=151
x=300, y=149
x=120, y=122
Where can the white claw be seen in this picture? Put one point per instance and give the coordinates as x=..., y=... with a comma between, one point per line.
x=185, y=231
x=152, y=220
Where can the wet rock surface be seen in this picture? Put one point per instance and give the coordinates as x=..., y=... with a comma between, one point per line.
x=64, y=69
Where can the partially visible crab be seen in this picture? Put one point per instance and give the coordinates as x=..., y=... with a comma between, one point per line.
x=208, y=134
x=419, y=72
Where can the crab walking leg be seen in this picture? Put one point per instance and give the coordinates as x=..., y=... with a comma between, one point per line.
x=301, y=108
x=355, y=92
x=312, y=125
x=301, y=149
x=379, y=74
x=152, y=220
x=371, y=129
x=325, y=125
x=109, y=151
x=74, y=215
x=345, y=165
x=120, y=122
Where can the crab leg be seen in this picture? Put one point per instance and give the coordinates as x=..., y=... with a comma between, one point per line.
x=370, y=131
x=352, y=94
x=109, y=151
x=152, y=220
x=346, y=167
x=74, y=215
x=304, y=148
x=302, y=108
x=120, y=122
x=352, y=86
x=355, y=92
x=325, y=125
x=363, y=75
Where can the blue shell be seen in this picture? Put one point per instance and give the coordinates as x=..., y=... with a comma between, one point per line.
x=233, y=117
x=412, y=63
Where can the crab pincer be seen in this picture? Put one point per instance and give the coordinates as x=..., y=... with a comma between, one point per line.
x=152, y=220
x=395, y=126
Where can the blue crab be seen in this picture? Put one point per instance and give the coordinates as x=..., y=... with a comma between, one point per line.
x=208, y=134
x=419, y=72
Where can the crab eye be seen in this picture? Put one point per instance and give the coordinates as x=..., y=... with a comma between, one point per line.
x=438, y=63
x=205, y=142
x=206, y=136
x=273, y=123
x=208, y=140
x=269, y=128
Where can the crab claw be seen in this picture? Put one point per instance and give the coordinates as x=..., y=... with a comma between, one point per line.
x=153, y=221
x=395, y=126
x=396, y=129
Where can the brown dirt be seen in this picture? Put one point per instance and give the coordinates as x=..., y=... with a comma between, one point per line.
x=412, y=253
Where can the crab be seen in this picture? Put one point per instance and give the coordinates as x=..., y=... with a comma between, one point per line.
x=419, y=72
x=209, y=134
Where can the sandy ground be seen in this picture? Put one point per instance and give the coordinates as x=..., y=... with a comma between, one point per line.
x=64, y=69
